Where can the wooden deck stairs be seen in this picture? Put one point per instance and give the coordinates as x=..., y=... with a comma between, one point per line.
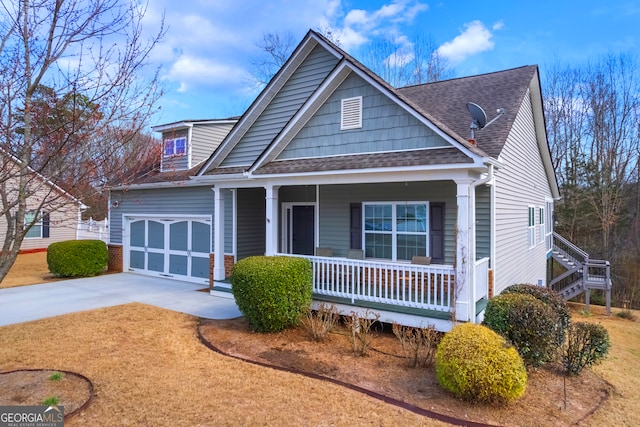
x=582, y=274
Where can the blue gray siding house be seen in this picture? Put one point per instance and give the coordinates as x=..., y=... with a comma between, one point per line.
x=399, y=211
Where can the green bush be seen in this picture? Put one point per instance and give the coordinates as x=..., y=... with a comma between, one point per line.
x=476, y=364
x=529, y=324
x=77, y=258
x=272, y=292
x=548, y=296
x=587, y=344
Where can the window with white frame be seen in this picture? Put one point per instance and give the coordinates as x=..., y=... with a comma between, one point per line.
x=532, y=226
x=395, y=230
x=351, y=113
x=35, y=232
x=548, y=225
x=175, y=147
x=541, y=221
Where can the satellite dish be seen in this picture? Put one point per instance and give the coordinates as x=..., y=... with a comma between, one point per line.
x=480, y=117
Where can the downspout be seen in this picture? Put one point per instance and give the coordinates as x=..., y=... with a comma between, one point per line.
x=472, y=221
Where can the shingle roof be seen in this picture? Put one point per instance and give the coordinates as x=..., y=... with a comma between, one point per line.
x=447, y=102
x=366, y=161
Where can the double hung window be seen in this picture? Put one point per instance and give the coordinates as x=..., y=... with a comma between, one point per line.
x=175, y=147
x=395, y=230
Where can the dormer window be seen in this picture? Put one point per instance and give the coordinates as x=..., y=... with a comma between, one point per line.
x=351, y=114
x=175, y=147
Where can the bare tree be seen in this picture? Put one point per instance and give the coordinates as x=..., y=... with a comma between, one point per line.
x=403, y=61
x=92, y=53
x=593, y=113
x=275, y=49
x=399, y=61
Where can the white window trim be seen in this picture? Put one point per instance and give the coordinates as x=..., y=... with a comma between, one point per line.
x=38, y=223
x=394, y=233
x=351, y=113
x=541, y=219
x=548, y=225
x=531, y=226
x=173, y=141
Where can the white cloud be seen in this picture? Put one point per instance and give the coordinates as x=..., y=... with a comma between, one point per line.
x=474, y=39
x=359, y=25
x=190, y=71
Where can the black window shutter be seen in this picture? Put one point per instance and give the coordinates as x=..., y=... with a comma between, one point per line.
x=45, y=225
x=356, y=226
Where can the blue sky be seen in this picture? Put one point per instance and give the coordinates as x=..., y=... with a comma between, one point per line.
x=206, y=54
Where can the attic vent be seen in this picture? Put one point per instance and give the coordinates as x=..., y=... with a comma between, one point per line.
x=351, y=117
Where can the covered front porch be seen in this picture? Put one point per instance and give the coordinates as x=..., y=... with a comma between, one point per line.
x=387, y=224
x=411, y=294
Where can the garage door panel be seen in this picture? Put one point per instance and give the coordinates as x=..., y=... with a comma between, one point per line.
x=201, y=237
x=179, y=236
x=178, y=264
x=156, y=262
x=138, y=235
x=156, y=235
x=200, y=267
x=136, y=259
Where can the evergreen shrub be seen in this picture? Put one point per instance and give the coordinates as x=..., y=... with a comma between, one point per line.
x=77, y=258
x=528, y=323
x=476, y=364
x=550, y=297
x=272, y=291
x=587, y=344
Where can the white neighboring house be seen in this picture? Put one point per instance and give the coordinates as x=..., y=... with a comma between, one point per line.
x=57, y=219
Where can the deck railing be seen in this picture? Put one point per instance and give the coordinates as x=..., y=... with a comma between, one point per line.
x=430, y=287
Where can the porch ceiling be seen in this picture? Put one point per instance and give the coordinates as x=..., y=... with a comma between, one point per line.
x=367, y=161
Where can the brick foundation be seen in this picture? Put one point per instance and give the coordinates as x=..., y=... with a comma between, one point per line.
x=115, y=258
x=229, y=261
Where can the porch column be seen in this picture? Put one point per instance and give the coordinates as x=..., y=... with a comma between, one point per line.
x=271, y=220
x=464, y=264
x=218, y=226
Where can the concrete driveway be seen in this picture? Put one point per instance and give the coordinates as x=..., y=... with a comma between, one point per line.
x=26, y=303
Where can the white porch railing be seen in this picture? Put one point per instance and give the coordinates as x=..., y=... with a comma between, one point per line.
x=430, y=287
x=482, y=278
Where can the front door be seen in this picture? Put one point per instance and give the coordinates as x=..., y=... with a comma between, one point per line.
x=298, y=230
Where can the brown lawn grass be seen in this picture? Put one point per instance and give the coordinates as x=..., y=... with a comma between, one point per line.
x=29, y=269
x=148, y=368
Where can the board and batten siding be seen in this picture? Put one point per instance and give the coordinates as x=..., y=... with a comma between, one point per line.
x=385, y=127
x=304, y=81
x=206, y=138
x=183, y=201
x=335, y=201
x=251, y=229
x=483, y=222
x=520, y=183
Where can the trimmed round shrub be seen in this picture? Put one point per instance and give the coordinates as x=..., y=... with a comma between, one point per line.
x=528, y=323
x=548, y=296
x=476, y=364
x=77, y=258
x=587, y=345
x=272, y=292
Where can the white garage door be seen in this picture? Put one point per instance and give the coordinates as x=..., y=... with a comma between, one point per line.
x=169, y=247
